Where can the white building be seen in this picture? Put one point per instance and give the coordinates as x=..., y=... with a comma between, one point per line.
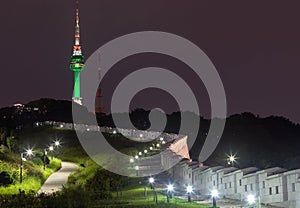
x=272, y=186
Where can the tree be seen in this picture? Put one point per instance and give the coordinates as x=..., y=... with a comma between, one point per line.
x=3, y=134
x=11, y=141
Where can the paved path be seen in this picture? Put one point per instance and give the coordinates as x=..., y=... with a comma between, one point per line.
x=55, y=182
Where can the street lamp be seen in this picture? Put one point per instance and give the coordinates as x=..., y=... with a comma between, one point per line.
x=140, y=153
x=114, y=132
x=57, y=143
x=214, y=195
x=170, y=189
x=51, y=149
x=151, y=148
x=189, y=190
x=145, y=151
x=44, y=158
x=157, y=145
x=131, y=162
x=28, y=153
x=231, y=159
x=137, y=170
x=161, y=139
x=151, y=181
x=251, y=199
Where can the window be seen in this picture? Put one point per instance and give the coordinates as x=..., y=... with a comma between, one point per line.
x=277, y=190
x=210, y=178
x=225, y=185
x=240, y=182
x=251, y=187
x=270, y=191
x=264, y=184
x=245, y=188
x=221, y=180
x=230, y=185
x=189, y=175
x=293, y=187
x=214, y=182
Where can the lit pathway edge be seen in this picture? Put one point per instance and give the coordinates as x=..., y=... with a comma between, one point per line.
x=57, y=180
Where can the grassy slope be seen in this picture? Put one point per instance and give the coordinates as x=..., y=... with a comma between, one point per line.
x=133, y=195
x=33, y=175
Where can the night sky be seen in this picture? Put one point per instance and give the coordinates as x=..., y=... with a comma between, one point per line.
x=255, y=46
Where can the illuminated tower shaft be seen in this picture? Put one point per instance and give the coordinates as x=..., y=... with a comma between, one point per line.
x=76, y=93
x=77, y=61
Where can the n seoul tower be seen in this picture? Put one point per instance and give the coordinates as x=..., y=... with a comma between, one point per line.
x=77, y=61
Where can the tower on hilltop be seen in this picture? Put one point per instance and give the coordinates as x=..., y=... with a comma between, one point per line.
x=77, y=60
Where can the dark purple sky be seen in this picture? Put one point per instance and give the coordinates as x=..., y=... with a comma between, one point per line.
x=255, y=45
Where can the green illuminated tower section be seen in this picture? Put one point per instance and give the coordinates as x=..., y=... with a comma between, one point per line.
x=77, y=61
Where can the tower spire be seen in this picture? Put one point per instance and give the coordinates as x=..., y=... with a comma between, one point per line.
x=77, y=47
x=77, y=13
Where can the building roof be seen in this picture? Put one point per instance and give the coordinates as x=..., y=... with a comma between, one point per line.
x=228, y=170
x=272, y=171
x=249, y=170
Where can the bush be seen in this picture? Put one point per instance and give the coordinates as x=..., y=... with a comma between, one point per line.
x=37, y=161
x=5, y=179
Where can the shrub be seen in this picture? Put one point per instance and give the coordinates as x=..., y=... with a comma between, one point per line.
x=37, y=161
x=5, y=179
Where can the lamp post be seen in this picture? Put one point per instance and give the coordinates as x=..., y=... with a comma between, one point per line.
x=57, y=143
x=231, y=159
x=214, y=195
x=44, y=158
x=51, y=149
x=189, y=190
x=136, y=159
x=151, y=181
x=251, y=200
x=170, y=189
x=137, y=170
x=131, y=162
x=28, y=153
x=21, y=168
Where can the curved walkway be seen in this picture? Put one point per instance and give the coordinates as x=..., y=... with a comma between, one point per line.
x=56, y=181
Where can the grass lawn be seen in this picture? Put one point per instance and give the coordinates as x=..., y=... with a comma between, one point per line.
x=134, y=197
x=32, y=180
